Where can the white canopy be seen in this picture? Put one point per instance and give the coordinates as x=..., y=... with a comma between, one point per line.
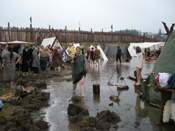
x=16, y=42
x=101, y=52
x=151, y=45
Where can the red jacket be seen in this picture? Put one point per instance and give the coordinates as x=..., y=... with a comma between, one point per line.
x=87, y=53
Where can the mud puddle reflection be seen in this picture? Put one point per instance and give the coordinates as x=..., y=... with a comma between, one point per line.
x=135, y=113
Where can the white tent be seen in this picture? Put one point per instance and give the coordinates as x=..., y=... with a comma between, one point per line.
x=151, y=45
x=132, y=50
x=51, y=41
x=102, y=54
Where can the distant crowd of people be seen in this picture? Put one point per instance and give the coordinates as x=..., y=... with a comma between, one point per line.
x=32, y=58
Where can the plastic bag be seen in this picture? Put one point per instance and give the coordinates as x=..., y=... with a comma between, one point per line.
x=1, y=105
x=162, y=79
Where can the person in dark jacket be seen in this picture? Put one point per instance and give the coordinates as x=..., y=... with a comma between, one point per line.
x=57, y=60
x=158, y=52
x=16, y=50
x=119, y=54
x=25, y=60
x=30, y=51
x=78, y=70
x=36, y=61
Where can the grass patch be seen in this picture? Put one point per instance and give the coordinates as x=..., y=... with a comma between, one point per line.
x=6, y=90
x=7, y=110
x=1, y=75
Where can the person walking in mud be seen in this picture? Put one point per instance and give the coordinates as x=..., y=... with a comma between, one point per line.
x=119, y=54
x=88, y=56
x=92, y=56
x=44, y=56
x=9, y=59
x=78, y=70
x=30, y=51
x=25, y=60
x=36, y=62
x=139, y=65
x=83, y=50
x=57, y=60
x=96, y=55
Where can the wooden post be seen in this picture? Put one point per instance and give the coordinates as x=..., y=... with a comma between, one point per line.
x=0, y=35
x=26, y=34
x=31, y=33
x=66, y=34
x=91, y=36
x=49, y=31
x=125, y=87
x=17, y=35
x=9, y=33
x=96, y=89
x=103, y=40
x=79, y=36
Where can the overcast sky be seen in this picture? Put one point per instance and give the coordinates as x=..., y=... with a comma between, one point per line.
x=142, y=15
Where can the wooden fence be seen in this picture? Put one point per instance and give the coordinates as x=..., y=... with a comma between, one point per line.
x=67, y=36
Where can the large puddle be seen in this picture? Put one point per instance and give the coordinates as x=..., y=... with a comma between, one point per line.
x=135, y=113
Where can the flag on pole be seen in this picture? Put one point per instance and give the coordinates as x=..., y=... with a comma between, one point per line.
x=79, y=23
x=30, y=20
x=111, y=27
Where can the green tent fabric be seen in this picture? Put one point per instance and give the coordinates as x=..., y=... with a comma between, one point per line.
x=164, y=63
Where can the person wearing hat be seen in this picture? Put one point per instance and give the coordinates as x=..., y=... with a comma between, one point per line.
x=36, y=62
x=25, y=60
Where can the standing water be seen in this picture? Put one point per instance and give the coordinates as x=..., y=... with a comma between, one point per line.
x=135, y=113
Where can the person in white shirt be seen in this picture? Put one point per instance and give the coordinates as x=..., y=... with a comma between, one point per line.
x=139, y=65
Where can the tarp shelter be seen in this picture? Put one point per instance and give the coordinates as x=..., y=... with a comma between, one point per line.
x=53, y=41
x=3, y=43
x=14, y=43
x=18, y=43
x=164, y=63
x=131, y=49
x=111, y=51
x=102, y=54
x=152, y=45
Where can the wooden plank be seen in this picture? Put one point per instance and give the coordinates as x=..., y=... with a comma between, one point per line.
x=160, y=88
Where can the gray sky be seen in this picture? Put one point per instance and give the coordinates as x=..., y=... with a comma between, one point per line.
x=142, y=15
